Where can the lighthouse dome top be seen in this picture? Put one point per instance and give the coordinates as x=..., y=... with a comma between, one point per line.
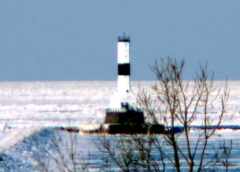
x=124, y=38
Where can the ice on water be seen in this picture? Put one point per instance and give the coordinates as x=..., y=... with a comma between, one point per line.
x=53, y=103
x=76, y=102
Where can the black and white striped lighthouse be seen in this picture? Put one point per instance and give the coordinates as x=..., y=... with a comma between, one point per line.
x=124, y=94
x=123, y=117
x=122, y=108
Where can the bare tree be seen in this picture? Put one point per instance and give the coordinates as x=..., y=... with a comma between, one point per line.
x=135, y=153
x=222, y=156
x=63, y=154
x=176, y=104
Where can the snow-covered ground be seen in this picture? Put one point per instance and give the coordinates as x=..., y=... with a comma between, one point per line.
x=28, y=153
x=27, y=107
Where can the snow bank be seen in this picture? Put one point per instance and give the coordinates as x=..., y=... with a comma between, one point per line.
x=11, y=137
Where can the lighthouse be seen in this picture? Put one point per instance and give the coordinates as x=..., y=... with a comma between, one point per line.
x=122, y=109
x=123, y=95
x=123, y=117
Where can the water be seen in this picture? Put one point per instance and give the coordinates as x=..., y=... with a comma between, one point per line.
x=49, y=104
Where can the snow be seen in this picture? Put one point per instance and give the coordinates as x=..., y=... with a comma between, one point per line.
x=11, y=137
x=53, y=103
x=28, y=107
x=78, y=102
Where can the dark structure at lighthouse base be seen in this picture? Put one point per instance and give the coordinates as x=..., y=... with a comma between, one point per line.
x=133, y=129
x=129, y=121
x=125, y=121
x=126, y=116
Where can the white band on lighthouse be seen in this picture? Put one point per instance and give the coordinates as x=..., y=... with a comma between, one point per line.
x=123, y=51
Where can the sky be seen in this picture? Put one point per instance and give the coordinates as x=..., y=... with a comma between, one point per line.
x=77, y=39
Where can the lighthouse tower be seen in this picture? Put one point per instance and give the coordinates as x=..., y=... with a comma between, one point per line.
x=123, y=97
x=123, y=85
x=122, y=109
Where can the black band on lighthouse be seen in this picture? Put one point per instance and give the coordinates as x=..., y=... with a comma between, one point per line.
x=124, y=69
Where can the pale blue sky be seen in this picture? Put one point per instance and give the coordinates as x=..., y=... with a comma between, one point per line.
x=76, y=39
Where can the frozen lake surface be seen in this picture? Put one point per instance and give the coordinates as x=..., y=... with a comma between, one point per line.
x=64, y=103
x=30, y=106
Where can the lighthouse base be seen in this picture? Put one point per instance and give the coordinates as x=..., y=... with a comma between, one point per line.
x=123, y=129
x=124, y=121
x=124, y=117
x=133, y=129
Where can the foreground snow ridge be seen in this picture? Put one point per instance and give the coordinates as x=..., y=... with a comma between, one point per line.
x=14, y=136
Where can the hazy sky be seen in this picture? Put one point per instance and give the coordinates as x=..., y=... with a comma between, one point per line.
x=77, y=39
